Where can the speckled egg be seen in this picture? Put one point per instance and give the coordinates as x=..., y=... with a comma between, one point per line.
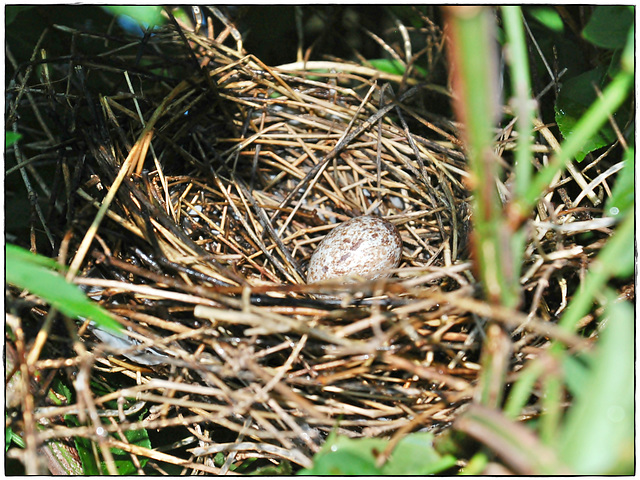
x=364, y=246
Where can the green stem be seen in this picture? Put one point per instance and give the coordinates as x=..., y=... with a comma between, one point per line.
x=523, y=104
x=522, y=388
x=472, y=51
x=552, y=408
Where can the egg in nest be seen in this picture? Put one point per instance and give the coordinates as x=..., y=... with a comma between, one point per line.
x=364, y=246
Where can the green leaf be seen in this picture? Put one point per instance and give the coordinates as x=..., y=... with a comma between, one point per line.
x=147, y=15
x=122, y=459
x=609, y=25
x=33, y=272
x=394, y=67
x=345, y=456
x=413, y=455
x=622, y=195
x=576, y=372
x=284, y=468
x=575, y=97
x=476, y=465
x=11, y=138
x=598, y=437
x=87, y=457
x=613, y=96
x=629, y=52
x=15, y=438
x=19, y=254
x=547, y=16
x=182, y=15
x=59, y=387
x=8, y=433
x=134, y=437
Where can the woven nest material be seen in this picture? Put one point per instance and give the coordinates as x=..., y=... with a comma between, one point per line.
x=226, y=178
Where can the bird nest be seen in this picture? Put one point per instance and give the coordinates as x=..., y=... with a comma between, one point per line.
x=221, y=175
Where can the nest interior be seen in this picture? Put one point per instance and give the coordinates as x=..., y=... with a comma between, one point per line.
x=221, y=175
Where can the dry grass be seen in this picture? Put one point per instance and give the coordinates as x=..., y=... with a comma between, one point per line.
x=223, y=179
